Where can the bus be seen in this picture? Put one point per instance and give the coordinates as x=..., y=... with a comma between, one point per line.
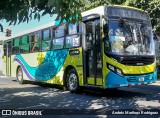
x=111, y=47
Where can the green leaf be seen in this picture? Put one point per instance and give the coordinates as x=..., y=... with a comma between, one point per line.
x=45, y=12
x=35, y=15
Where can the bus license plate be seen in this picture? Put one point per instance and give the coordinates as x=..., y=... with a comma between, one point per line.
x=141, y=79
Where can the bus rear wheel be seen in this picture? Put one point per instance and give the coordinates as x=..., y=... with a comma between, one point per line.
x=20, y=76
x=72, y=81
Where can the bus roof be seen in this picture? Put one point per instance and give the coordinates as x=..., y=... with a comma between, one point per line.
x=31, y=30
x=98, y=10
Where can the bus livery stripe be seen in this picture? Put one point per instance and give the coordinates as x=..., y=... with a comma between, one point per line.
x=24, y=69
x=51, y=65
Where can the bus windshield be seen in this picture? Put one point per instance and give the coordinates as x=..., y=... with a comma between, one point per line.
x=130, y=38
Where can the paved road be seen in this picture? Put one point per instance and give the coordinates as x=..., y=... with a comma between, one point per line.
x=37, y=96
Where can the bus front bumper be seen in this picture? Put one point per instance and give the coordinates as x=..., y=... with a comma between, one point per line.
x=114, y=81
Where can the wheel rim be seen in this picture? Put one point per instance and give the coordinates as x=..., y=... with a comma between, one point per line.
x=19, y=75
x=73, y=81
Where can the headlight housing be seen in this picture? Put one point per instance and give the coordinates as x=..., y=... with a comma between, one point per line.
x=115, y=69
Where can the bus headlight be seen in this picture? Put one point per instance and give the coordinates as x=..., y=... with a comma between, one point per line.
x=119, y=72
x=111, y=67
x=115, y=69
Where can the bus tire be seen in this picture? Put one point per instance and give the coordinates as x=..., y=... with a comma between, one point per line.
x=20, y=76
x=73, y=81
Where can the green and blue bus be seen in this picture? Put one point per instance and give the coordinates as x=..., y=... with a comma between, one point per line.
x=111, y=47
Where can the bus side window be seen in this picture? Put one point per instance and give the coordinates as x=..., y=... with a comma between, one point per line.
x=58, y=43
x=46, y=40
x=35, y=42
x=15, y=48
x=24, y=47
x=73, y=38
x=58, y=37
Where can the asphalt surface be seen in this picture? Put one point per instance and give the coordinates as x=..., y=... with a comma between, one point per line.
x=54, y=100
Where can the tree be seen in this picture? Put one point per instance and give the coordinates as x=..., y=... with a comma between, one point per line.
x=151, y=6
x=22, y=10
x=94, y=3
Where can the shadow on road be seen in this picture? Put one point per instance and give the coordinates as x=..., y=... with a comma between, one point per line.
x=45, y=96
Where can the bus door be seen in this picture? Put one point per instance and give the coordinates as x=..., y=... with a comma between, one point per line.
x=93, y=54
x=8, y=59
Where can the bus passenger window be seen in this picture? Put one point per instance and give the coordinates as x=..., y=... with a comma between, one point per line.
x=46, y=40
x=24, y=47
x=15, y=48
x=58, y=43
x=73, y=28
x=58, y=37
x=72, y=41
x=35, y=42
x=73, y=38
x=60, y=31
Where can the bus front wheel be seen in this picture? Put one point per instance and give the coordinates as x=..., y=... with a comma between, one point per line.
x=72, y=81
x=20, y=76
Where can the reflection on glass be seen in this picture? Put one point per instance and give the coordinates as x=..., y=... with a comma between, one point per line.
x=46, y=35
x=58, y=43
x=72, y=41
x=45, y=45
x=72, y=28
x=129, y=38
x=59, y=32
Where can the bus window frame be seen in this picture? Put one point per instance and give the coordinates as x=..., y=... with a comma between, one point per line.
x=50, y=39
x=35, y=42
x=18, y=52
x=53, y=30
x=26, y=44
x=78, y=35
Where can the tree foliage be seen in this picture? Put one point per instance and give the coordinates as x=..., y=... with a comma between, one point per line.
x=23, y=10
x=17, y=11
x=151, y=6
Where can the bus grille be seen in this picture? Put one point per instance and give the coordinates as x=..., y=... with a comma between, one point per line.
x=135, y=79
x=132, y=79
x=138, y=61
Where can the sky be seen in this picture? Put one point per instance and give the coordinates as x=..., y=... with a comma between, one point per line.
x=15, y=29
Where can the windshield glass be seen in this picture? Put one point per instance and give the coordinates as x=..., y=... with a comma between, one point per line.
x=129, y=38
